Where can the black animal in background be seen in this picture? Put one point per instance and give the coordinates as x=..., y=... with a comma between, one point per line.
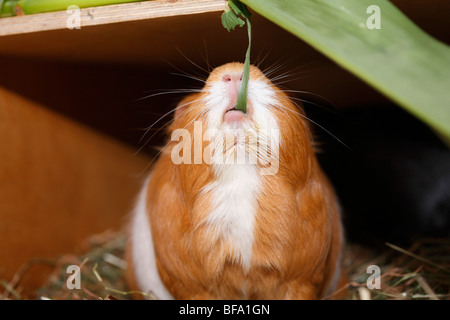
x=393, y=180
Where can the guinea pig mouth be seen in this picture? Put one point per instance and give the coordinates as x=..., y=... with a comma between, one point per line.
x=234, y=109
x=233, y=115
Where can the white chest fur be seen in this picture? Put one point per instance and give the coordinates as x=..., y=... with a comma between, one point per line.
x=234, y=204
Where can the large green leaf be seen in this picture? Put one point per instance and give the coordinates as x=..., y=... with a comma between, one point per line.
x=400, y=60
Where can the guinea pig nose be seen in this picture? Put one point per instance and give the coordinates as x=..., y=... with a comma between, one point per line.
x=226, y=78
x=231, y=77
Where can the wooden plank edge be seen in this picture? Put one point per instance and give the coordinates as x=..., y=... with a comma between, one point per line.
x=107, y=14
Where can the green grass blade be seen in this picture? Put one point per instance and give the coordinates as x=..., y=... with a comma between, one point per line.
x=231, y=19
x=39, y=6
x=400, y=60
x=242, y=96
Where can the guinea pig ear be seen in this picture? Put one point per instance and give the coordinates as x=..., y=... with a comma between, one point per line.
x=184, y=104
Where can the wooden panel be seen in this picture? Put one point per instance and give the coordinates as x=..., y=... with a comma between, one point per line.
x=148, y=32
x=108, y=14
x=430, y=15
x=113, y=65
x=60, y=182
x=148, y=46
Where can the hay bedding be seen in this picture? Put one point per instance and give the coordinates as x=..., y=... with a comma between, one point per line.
x=421, y=271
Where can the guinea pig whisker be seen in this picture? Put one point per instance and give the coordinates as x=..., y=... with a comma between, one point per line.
x=280, y=83
x=188, y=76
x=274, y=69
x=289, y=77
x=154, y=158
x=277, y=65
x=154, y=123
x=316, y=104
x=297, y=72
x=173, y=89
x=294, y=71
x=259, y=60
x=176, y=117
x=328, y=101
x=170, y=91
x=206, y=57
x=151, y=126
x=195, y=118
x=313, y=122
x=280, y=77
x=185, y=127
x=195, y=64
x=195, y=74
x=280, y=66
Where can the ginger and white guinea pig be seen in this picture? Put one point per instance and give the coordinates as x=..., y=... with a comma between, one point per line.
x=237, y=206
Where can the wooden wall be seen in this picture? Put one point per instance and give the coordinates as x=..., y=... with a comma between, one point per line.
x=59, y=183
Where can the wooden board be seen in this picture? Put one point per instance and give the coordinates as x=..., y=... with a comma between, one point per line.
x=108, y=15
x=430, y=15
x=148, y=33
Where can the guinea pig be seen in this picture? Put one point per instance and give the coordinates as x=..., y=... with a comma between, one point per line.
x=237, y=206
